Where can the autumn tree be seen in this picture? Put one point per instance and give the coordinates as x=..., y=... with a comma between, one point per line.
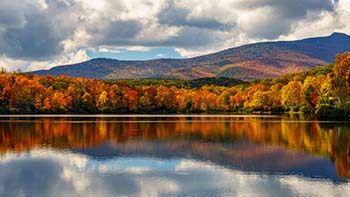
x=341, y=80
x=261, y=101
x=102, y=103
x=133, y=99
x=115, y=96
x=165, y=98
x=292, y=95
x=312, y=90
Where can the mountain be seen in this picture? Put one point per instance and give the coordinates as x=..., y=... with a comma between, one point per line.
x=248, y=62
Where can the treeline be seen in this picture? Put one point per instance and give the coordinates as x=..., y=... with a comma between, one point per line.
x=323, y=91
x=188, y=84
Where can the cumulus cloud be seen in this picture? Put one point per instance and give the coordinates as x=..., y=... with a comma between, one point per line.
x=48, y=30
x=12, y=64
x=116, y=33
x=8, y=19
x=34, y=30
x=175, y=15
x=70, y=58
x=323, y=23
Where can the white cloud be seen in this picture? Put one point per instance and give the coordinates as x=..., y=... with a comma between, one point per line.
x=108, y=50
x=79, y=39
x=12, y=64
x=44, y=33
x=324, y=23
x=160, y=55
x=188, y=53
x=71, y=58
x=137, y=170
x=138, y=48
x=42, y=5
x=263, y=22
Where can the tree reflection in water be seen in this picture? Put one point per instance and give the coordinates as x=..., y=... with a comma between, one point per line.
x=252, y=143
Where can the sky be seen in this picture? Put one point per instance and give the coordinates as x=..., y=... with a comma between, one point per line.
x=40, y=34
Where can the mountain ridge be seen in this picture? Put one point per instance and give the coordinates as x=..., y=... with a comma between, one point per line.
x=248, y=62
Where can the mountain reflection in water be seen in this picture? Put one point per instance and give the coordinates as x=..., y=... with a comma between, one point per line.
x=173, y=155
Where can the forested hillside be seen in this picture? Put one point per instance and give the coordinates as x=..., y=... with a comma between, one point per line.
x=248, y=62
x=323, y=90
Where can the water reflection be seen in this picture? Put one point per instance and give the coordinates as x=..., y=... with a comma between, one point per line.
x=202, y=156
x=71, y=174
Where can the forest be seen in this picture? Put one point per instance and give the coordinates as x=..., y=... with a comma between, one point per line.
x=323, y=91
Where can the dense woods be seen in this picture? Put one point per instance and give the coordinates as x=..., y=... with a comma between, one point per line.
x=323, y=91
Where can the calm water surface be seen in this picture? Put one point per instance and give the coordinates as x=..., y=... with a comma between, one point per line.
x=173, y=156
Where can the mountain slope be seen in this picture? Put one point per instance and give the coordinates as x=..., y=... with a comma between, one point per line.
x=253, y=61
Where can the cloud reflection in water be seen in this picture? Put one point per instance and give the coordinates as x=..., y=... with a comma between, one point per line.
x=45, y=172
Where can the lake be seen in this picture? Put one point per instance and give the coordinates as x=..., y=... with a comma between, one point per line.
x=173, y=155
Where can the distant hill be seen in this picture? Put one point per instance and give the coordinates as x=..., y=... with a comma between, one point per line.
x=248, y=62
